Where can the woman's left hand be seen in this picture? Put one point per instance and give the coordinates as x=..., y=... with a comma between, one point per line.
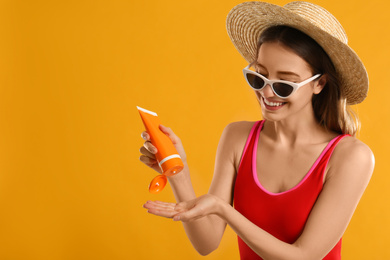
x=185, y=211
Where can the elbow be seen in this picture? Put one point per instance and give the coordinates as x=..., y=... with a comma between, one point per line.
x=204, y=253
x=305, y=254
x=205, y=250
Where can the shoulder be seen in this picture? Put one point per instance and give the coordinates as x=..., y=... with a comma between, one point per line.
x=236, y=132
x=239, y=127
x=353, y=157
x=353, y=149
x=233, y=140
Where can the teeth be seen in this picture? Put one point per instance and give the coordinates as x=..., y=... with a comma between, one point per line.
x=272, y=104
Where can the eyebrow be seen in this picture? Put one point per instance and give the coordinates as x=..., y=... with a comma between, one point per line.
x=287, y=73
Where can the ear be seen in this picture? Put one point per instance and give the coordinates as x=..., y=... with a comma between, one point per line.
x=319, y=84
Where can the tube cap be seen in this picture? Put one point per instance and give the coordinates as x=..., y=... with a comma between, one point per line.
x=157, y=184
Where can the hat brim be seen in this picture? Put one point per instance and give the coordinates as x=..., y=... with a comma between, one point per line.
x=246, y=21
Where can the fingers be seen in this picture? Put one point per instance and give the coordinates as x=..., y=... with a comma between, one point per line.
x=171, y=210
x=146, y=152
x=183, y=211
x=148, y=161
x=175, y=141
x=150, y=147
x=162, y=209
x=145, y=136
x=168, y=131
x=160, y=204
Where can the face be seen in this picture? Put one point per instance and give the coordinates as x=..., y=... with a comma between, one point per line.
x=277, y=62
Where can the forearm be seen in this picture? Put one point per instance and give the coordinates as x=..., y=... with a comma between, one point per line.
x=261, y=242
x=182, y=186
x=205, y=233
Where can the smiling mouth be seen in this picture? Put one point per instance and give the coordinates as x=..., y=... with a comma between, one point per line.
x=272, y=104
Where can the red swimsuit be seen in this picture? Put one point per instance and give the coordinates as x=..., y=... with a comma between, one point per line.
x=281, y=214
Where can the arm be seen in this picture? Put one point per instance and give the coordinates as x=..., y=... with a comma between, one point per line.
x=349, y=172
x=198, y=231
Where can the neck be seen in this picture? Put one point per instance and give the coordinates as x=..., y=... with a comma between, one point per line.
x=292, y=132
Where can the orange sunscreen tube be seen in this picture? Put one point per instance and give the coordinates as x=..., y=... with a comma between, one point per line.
x=167, y=156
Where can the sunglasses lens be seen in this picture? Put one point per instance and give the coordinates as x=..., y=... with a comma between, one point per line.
x=283, y=89
x=255, y=81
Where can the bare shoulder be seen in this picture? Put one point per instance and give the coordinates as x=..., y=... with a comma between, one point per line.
x=237, y=132
x=352, y=156
x=353, y=149
x=240, y=127
x=234, y=138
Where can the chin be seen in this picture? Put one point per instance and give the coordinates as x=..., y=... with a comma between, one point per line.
x=272, y=117
x=269, y=115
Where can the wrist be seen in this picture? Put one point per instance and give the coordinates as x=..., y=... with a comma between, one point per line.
x=221, y=207
x=181, y=185
x=183, y=174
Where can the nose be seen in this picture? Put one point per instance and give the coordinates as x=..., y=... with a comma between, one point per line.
x=267, y=91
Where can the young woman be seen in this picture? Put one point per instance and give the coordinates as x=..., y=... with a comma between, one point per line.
x=296, y=177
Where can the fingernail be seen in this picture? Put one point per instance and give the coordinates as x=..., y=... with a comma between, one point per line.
x=176, y=218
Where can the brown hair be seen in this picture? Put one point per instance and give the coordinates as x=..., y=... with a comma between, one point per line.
x=330, y=106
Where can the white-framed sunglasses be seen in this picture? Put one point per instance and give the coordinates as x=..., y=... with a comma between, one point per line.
x=281, y=88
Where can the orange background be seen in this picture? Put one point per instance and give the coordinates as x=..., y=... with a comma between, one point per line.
x=71, y=76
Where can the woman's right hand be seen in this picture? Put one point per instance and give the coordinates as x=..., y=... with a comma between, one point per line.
x=148, y=150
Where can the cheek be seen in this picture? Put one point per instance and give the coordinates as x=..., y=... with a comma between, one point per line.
x=301, y=98
x=304, y=93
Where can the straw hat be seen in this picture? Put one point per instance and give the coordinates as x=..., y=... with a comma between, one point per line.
x=246, y=21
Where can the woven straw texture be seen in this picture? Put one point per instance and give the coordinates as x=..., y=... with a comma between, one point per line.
x=246, y=21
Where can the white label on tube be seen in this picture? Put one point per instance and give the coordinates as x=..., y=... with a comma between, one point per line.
x=147, y=111
x=168, y=158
